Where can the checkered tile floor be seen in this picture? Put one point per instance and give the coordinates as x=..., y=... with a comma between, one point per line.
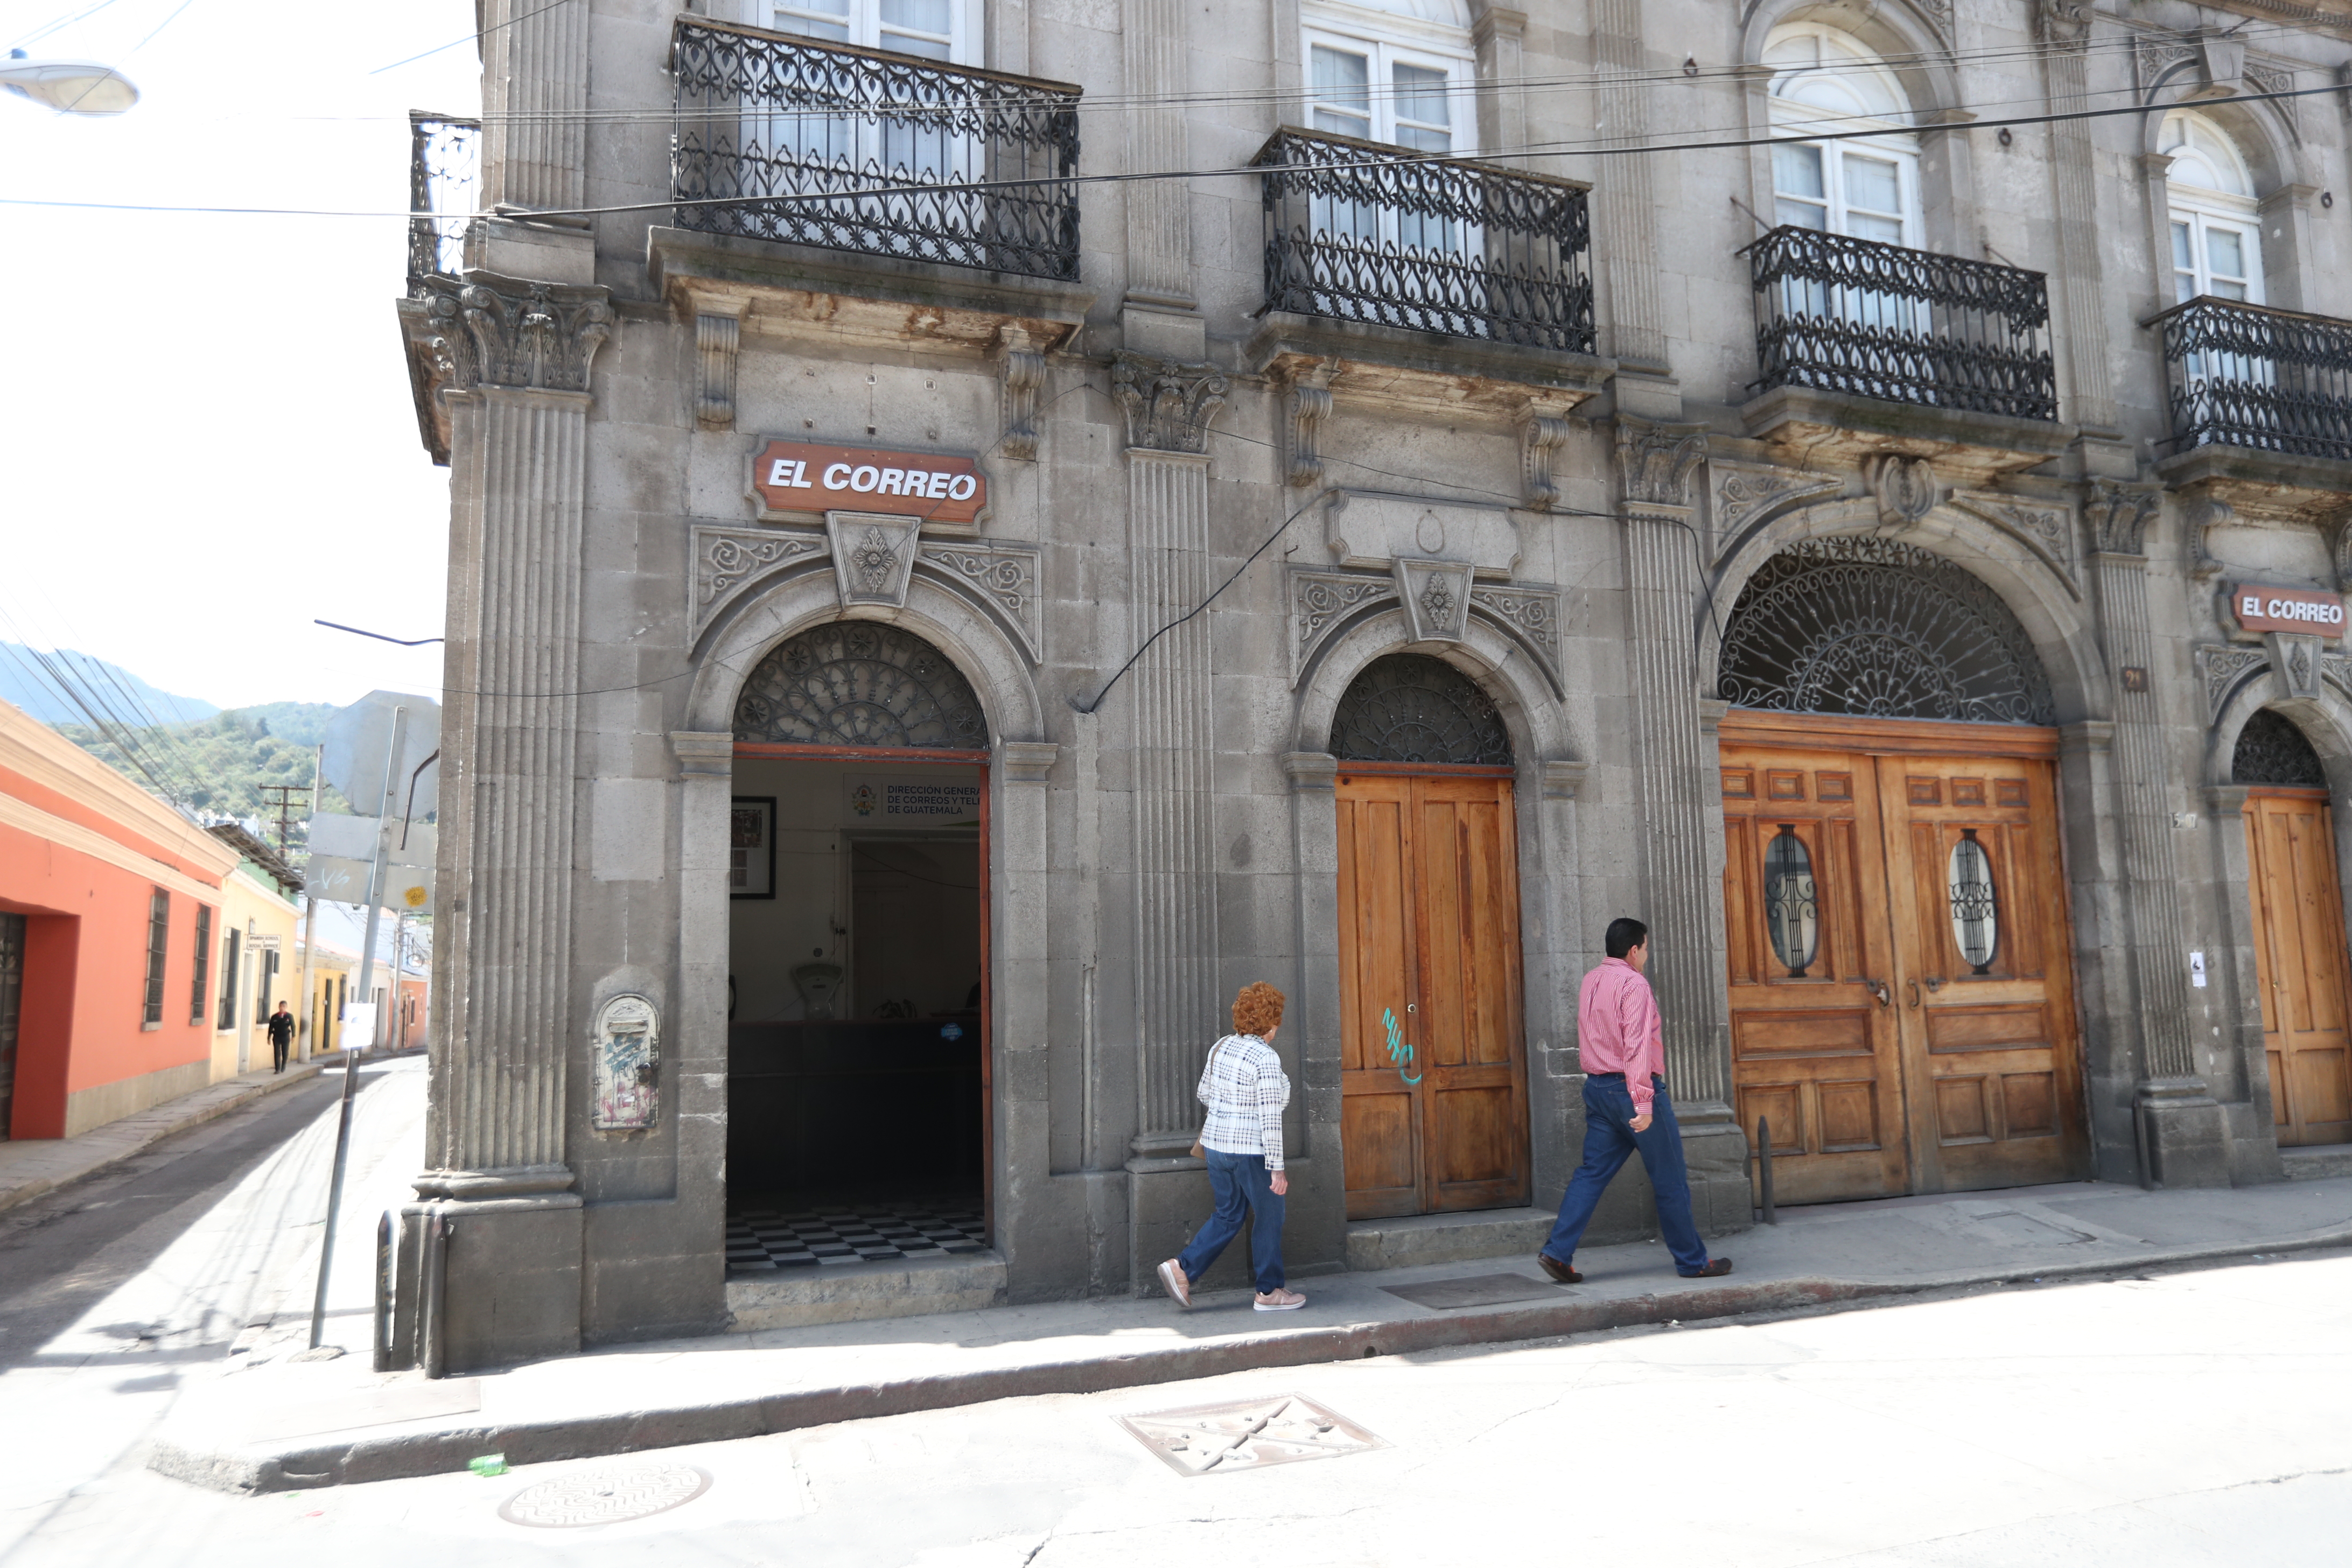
x=759, y=1240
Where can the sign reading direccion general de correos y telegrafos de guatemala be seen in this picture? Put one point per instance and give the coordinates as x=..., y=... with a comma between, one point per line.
x=802, y=477
x=2259, y=609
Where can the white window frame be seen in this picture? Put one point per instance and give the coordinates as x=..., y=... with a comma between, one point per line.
x=1385, y=53
x=867, y=29
x=1895, y=142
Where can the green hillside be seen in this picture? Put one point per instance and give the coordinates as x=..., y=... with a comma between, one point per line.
x=221, y=763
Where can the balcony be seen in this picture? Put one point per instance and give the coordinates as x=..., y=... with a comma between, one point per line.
x=445, y=180
x=778, y=138
x=1443, y=271
x=1880, y=347
x=2261, y=403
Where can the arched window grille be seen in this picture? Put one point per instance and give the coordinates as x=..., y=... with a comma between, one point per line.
x=1410, y=708
x=1860, y=625
x=859, y=683
x=2272, y=751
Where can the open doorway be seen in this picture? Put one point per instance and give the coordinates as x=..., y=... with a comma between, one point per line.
x=857, y=1007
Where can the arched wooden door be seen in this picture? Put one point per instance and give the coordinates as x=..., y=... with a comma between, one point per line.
x=1433, y=1106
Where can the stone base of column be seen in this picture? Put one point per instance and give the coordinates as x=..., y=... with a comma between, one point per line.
x=1167, y=1200
x=1715, y=1151
x=2186, y=1130
x=510, y=1276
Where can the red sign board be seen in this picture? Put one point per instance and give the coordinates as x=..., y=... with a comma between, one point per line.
x=2260, y=609
x=801, y=476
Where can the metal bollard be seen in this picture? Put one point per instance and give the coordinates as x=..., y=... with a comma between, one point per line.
x=383, y=1229
x=334, y=1198
x=430, y=1330
x=1764, y=1165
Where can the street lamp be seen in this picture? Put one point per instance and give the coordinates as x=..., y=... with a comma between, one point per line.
x=69, y=87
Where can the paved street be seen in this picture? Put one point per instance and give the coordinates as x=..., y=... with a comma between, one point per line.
x=183, y=1263
x=2028, y=1425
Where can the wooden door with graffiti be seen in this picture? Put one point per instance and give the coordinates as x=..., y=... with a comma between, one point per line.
x=2299, y=957
x=1433, y=1069
x=1901, y=975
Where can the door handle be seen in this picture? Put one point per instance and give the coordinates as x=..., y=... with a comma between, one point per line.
x=1915, y=994
x=1878, y=989
x=1935, y=983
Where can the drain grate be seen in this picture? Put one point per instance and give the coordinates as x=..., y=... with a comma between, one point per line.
x=1250, y=1434
x=604, y=1497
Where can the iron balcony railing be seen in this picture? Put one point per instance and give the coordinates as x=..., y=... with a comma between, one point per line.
x=1840, y=314
x=1360, y=231
x=862, y=149
x=2247, y=375
x=445, y=179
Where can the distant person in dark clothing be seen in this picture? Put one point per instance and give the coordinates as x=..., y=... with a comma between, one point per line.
x=281, y=1035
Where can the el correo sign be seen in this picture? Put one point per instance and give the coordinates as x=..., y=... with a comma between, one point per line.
x=2260, y=609
x=802, y=477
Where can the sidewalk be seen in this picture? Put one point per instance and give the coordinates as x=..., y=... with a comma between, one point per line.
x=284, y=1426
x=31, y=1166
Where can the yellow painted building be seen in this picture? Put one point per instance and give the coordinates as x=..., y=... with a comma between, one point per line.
x=257, y=961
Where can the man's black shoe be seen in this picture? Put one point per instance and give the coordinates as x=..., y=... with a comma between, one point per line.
x=1558, y=1271
x=1717, y=1268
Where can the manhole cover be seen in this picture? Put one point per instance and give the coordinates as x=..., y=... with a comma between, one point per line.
x=1250, y=1434
x=606, y=1497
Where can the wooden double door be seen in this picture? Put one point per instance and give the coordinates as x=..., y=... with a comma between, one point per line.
x=2299, y=960
x=1901, y=977
x=1434, y=1108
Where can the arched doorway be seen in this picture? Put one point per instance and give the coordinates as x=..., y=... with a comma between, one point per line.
x=1433, y=1106
x=2299, y=954
x=857, y=1051
x=1901, y=975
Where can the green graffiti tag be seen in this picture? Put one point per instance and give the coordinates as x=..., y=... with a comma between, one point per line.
x=1400, y=1052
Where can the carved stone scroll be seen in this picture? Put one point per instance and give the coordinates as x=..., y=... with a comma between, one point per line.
x=1543, y=431
x=1320, y=602
x=1021, y=367
x=1745, y=492
x=2047, y=528
x=725, y=559
x=1005, y=575
x=1309, y=405
x=2223, y=666
x=717, y=340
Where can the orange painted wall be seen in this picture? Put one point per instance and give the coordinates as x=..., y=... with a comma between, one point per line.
x=86, y=971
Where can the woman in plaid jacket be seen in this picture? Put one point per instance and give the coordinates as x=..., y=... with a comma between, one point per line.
x=1244, y=1089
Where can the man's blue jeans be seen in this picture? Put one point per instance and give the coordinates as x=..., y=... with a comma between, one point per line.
x=1609, y=1141
x=1242, y=1185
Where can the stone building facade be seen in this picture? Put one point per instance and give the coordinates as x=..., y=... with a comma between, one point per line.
x=1111, y=502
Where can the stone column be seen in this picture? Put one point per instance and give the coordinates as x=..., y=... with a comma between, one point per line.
x=2064, y=27
x=2187, y=1140
x=1158, y=212
x=1168, y=406
x=534, y=105
x=1679, y=798
x=1625, y=220
x=511, y=363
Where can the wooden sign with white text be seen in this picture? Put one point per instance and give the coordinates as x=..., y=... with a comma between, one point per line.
x=803, y=477
x=2259, y=609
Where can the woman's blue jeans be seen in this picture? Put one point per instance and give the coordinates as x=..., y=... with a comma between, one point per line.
x=1609, y=1141
x=1244, y=1186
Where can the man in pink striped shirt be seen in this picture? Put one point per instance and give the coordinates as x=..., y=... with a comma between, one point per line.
x=1626, y=1111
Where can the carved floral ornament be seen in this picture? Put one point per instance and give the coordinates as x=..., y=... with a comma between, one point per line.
x=496, y=332
x=2301, y=664
x=1000, y=578
x=1168, y=404
x=1437, y=600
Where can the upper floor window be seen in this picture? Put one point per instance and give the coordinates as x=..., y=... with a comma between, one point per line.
x=2217, y=247
x=1865, y=187
x=159, y=947
x=934, y=29
x=1391, y=70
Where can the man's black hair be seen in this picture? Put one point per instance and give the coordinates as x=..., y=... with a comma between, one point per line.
x=1625, y=934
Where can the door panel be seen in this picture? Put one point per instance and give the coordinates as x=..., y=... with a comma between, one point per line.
x=1992, y=1032
x=1967, y=1075
x=1813, y=1053
x=2301, y=964
x=1433, y=1115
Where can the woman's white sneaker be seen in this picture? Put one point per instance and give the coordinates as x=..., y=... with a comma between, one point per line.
x=1280, y=1301
x=1172, y=1280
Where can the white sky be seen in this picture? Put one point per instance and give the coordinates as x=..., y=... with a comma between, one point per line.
x=208, y=438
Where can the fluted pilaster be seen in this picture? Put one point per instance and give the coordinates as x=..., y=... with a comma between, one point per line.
x=1159, y=220
x=534, y=104
x=2065, y=30
x=1626, y=223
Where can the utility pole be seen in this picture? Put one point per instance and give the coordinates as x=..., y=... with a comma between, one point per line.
x=280, y=797
x=308, y=1044
x=375, y=869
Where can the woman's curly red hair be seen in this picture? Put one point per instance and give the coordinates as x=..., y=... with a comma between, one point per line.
x=1256, y=1009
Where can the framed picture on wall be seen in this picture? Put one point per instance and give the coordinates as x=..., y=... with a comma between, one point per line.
x=752, y=846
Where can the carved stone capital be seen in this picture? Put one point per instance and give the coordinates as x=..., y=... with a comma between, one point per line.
x=1021, y=368
x=2119, y=516
x=496, y=331
x=1168, y=404
x=2062, y=24
x=1308, y=404
x=1655, y=461
x=1543, y=431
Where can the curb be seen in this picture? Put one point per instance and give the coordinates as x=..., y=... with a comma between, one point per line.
x=41, y=1186
x=402, y=1456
